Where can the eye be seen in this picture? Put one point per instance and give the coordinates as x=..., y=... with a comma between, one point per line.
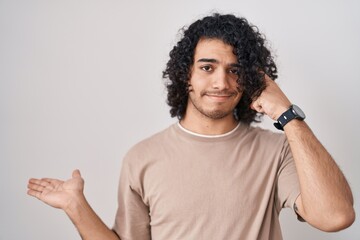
x=234, y=71
x=207, y=68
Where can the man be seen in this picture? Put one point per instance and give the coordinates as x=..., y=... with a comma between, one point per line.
x=212, y=175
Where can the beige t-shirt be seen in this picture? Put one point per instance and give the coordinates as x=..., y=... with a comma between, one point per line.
x=177, y=185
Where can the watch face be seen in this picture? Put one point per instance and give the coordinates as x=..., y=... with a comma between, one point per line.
x=298, y=111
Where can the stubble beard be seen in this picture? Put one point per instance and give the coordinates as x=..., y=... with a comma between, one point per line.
x=214, y=114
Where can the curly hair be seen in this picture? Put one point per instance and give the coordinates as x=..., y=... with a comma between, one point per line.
x=248, y=44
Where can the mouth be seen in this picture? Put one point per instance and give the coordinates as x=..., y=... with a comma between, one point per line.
x=219, y=97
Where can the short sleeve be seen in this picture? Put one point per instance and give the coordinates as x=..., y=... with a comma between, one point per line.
x=132, y=219
x=287, y=185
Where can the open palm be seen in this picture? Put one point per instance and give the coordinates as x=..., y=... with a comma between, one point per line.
x=57, y=193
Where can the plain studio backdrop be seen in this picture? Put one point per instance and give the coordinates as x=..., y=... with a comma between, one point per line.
x=80, y=83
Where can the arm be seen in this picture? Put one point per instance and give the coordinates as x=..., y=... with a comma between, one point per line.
x=325, y=200
x=68, y=196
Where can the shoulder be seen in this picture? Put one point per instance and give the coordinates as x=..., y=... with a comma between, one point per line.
x=154, y=140
x=150, y=145
x=264, y=135
x=263, y=139
x=267, y=144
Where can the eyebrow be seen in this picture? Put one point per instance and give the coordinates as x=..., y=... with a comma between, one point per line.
x=212, y=60
x=208, y=60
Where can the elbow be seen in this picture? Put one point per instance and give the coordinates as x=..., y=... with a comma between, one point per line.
x=339, y=221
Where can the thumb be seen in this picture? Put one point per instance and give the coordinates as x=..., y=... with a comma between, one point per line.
x=76, y=173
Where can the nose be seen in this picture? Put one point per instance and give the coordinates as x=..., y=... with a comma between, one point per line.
x=221, y=80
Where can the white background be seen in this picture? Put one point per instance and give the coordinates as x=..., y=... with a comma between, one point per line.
x=80, y=82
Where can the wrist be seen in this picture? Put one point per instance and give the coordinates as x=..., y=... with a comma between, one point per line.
x=75, y=205
x=280, y=111
x=294, y=112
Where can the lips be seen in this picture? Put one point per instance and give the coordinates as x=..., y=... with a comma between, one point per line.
x=219, y=97
x=215, y=95
x=219, y=94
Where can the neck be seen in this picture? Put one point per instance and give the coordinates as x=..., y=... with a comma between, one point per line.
x=207, y=126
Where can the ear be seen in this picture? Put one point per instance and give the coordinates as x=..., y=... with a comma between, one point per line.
x=189, y=87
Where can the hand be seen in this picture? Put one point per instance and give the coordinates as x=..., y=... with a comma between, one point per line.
x=57, y=193
x=272, y=101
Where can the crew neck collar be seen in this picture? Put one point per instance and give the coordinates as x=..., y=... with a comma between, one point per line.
x=208, y=136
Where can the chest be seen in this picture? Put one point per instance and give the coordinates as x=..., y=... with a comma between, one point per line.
x=192, y=186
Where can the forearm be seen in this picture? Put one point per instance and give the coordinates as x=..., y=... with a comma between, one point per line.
x=89, y=225
x=326, y=198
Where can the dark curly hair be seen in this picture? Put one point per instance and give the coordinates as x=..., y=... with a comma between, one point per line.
x=254, y=59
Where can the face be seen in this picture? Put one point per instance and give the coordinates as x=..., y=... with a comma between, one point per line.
x=213, y=88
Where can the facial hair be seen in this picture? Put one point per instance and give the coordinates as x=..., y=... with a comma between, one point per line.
x=212, y=114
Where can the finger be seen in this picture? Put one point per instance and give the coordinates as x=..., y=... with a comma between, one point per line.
x=45, y=181
x=76, y=173
x=256, y=105
x=51, y=181
x=259, y=110
x=36, y=187
x=34, y=193
x=39, y=182
x=48, y=179
x=252, y=106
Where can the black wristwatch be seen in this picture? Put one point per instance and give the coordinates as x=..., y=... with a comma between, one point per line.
x=294, y=112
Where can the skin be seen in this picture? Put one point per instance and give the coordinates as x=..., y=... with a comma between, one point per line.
x=69, y=196
x=326, y=201
x=213, y=94
x=213, y=89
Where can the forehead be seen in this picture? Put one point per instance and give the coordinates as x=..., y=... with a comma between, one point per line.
x=214, y=49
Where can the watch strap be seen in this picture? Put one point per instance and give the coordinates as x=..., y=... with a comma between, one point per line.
x=286, y=117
